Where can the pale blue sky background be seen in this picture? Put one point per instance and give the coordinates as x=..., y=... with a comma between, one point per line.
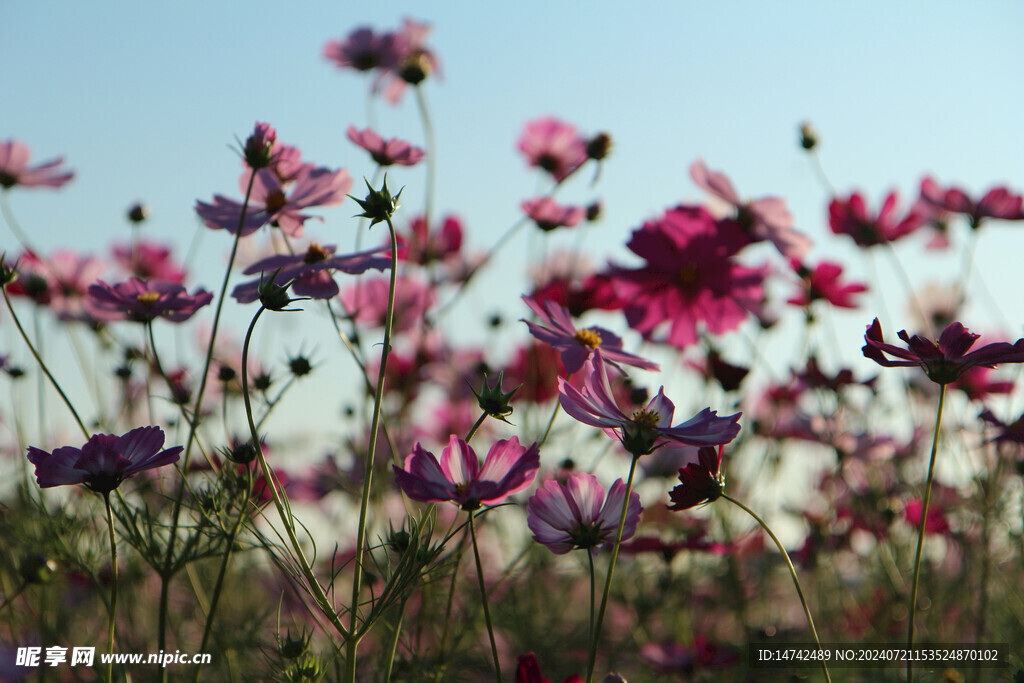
x=143, y=99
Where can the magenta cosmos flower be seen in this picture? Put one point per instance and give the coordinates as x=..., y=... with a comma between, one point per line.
x=576, y=346
x=386, y=152
x=699, y=482
x=425, y=244
x=851, y=217
x=763, y=219
x=554, y=146
x=690, y=277
x=459, y=477
x=149, y=261
x=822, y=283
x=362, y=50
x=310, y=271
x=143, y=301
x=576, y=514
x=945, y=360
x=14, y=168
x=997, y=203
x=648, y=428
x=273, y=202
x=549, y=214
x=104, y=461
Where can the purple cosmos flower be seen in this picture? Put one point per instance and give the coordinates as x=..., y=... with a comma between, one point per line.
x=549, y=214
x=647, y=428
x=576, y=346
x=997, y=203
x=143, y=301
x=850, y=217
x=386, y=152
x=554, y=146
x=459, y=477
x=362, y=50
x=763, y=219
x=576, y=514
x=700, y=482
x=271, y=202
x=14, y=168
x=104, y=461
x=943, y=361
x=310, y=271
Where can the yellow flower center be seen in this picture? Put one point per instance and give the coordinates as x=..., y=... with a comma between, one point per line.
x=275, y=201
x=589, y=338
x=315, y=254
x=147, y=298
x=646, y=418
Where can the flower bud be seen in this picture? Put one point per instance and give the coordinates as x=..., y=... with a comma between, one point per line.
x=379, y=205
x=138, y=212
x=808, y=136
x=493, y=401
x=37, y=568
x=259, y=147
x=599, y=146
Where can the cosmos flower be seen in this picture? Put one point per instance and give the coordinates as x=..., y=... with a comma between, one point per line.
x=386, y=152
x=998, y=202
x=549, y=214
x=362, y=50
x=424, y=244
x=410, y=61
x=458, y=476
x=945, y=360
x=104, y=461
x=647, y=428
x=149, y=261
x=690, y=277
x=143, y=301
x=822, y=283
x=554, y=146
x=763, y=219
x=576, y=346
x=850, y=217
x=60, y=281
x=310, y=271
x=14, y=168
x=576, y=514
x=699, y=482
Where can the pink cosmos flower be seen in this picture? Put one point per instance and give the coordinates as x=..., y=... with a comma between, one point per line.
x=386, y=152
x=459, y=477
x=699, y=482
x=822, y=283
x=554, y=146
x=143, y=301
x=310, y=271
x=690, y=276
x=367, y=301
x=998, y=202
x=576, y=346
x=258, y=151
x=60, y=281
x=576, y=514
x=149, y=261
x=410, y=61
x=548, y=214
x=104, y=461
x=647, y=428
x=945, y=360
x=424, y=244
x=271, y=202
x=362, y=50
x=763, y=219
x=850, y=217
x=14, y=168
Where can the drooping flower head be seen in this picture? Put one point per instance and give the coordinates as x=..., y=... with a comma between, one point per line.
x=577, y=345
x=576, y=514
x=850, y=216
x=699, y=482
x=258, y=151
x=549, y=214
x=310, y=271
x=647, y=428
x=460, y=478
x=386, y=152
x=14, y=168
x=554, y=146
x=998, y=202
x=763, y=219
x=945, y=360
x=144, y=301
x=690, y=277
x=104, y=461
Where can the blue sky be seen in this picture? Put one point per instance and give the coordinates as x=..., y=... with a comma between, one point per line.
x=144, y=99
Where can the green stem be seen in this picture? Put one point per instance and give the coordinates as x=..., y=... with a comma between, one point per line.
x=393, y=648
x=113, y=588
x=428, y=137
x=792, y=573
x=483, y=597
x=476, y=426
x=42, y=366
x=592, y=657
x=593, y=582
x=357, y=579
x=448, y=608
x=920, y=529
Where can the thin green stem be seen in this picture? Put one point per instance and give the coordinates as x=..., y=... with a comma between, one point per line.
x=42, y=366
x=483, y=597
x=16, y=230
x=592, y=656
x=113, y=588
x=357, y=579
x=792, y=573
x=476, y=426
x=920, y=529
x=428, y=137
x=448, y=608
x=393, y=647
x=551, y=422
x=593, y=590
